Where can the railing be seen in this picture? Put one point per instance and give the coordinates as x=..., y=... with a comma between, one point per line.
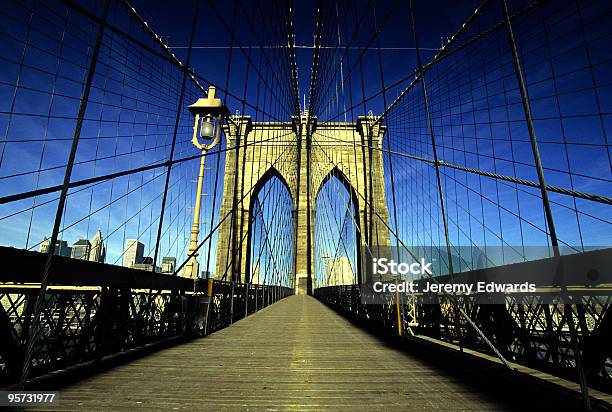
x=247, y=299
x=92, y=310
x=527, y=329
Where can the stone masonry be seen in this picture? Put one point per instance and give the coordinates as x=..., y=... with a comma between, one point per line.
x=303, y=156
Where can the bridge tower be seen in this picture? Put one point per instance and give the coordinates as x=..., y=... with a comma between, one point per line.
x=303, y=155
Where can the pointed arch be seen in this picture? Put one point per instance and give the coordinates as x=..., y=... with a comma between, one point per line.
x=337, y=173
x=271, y=173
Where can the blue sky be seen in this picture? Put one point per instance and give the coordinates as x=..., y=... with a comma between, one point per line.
x=475, y=107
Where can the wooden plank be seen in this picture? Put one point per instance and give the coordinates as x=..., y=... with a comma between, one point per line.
x=295, y=354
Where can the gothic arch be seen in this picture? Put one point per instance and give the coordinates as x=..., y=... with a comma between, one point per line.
x=341, y=177
x=270, y=173
x=339, y=174
x=349, y=180
x=263, y=179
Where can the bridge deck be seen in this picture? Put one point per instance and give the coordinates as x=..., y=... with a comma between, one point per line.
x=297, y=354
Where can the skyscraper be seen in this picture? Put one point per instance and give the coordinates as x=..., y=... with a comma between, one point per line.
x=97, y=253
x=134, y=252
x=146, y=263
x=61, y=247
x=80, y=249
x=168, y=264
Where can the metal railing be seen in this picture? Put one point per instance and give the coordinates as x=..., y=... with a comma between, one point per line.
x=93, y=310
x=529, y=328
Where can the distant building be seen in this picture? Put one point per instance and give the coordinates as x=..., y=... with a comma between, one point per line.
x=80, y=249
x=168, y=264
x=93, y=251
x=61, y=247
x=339, y=271
x=146, y=263
x=97, y=252
x=134, y=253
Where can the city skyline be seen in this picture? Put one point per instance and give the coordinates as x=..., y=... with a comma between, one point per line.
x=95, y=251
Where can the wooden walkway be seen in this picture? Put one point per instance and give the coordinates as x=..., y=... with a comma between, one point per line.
x=296, y=354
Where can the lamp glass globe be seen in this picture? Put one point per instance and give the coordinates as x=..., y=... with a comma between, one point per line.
x=207, y=130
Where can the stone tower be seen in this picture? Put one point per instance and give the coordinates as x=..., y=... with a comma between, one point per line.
x=303, y=155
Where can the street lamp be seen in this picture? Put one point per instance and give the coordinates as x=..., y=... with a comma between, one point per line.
x=208, y=113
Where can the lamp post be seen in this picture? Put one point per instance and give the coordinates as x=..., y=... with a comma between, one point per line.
x=208, y=113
